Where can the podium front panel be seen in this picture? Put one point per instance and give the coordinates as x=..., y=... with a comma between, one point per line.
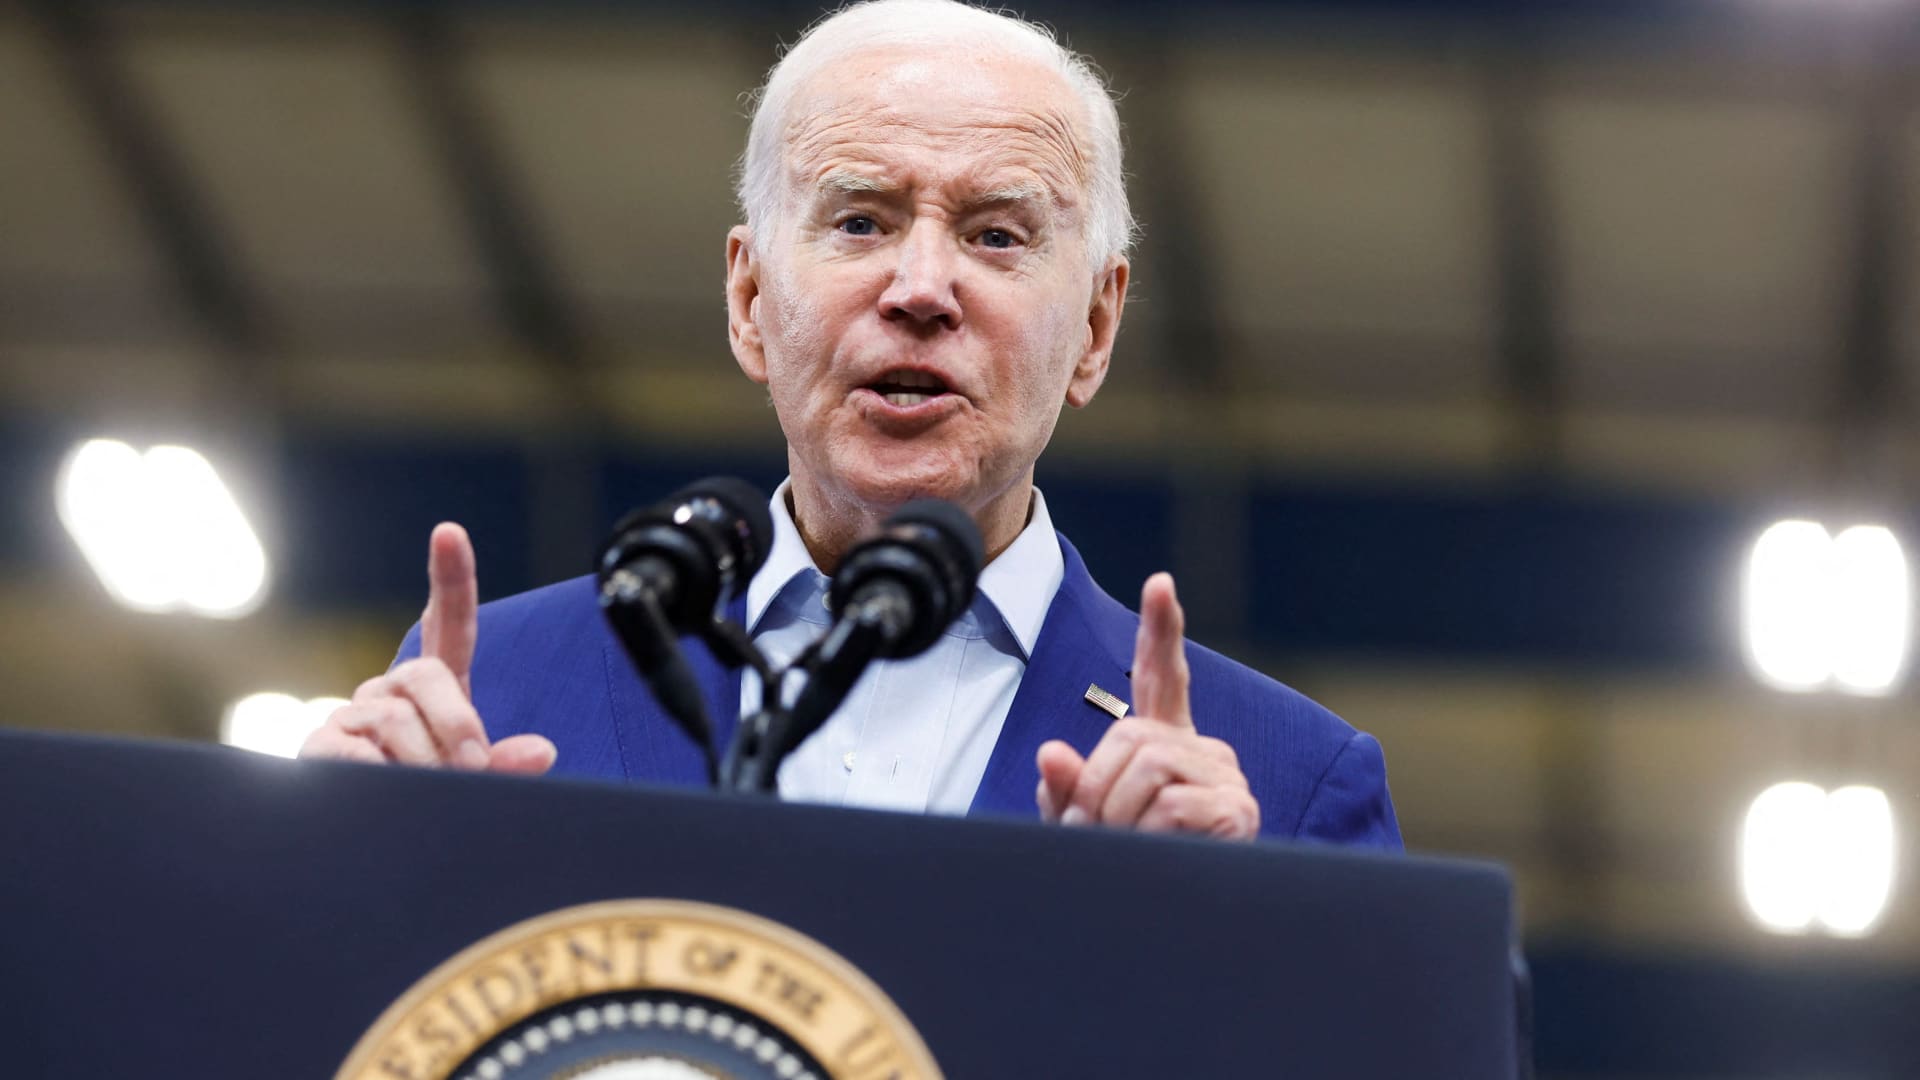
x=178, y=909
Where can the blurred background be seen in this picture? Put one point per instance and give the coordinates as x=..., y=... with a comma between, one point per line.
x=1472, y=349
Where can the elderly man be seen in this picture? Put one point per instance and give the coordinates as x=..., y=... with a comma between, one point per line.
x=933, y=264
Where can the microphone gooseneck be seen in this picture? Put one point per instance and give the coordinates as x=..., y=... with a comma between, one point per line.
x=893, y=597
x=914, y=578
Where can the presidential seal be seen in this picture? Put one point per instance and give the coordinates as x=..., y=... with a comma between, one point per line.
x=643, y=990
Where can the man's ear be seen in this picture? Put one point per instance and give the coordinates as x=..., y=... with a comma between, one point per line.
x=1103, y=325
x=743, y=304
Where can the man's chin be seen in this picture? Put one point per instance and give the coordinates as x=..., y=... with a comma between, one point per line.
x=883, y=486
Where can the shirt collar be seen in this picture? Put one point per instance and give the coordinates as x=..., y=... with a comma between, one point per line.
x=1020, y=583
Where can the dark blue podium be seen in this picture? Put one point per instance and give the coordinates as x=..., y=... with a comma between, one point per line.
x=186, y=910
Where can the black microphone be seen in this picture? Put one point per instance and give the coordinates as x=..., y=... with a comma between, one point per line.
x=669, y=569
x=692, y=551
x=893, y=596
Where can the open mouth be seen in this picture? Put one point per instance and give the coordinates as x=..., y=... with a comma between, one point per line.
x=909, y=388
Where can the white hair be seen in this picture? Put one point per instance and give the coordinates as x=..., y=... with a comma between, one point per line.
x=1109, y=223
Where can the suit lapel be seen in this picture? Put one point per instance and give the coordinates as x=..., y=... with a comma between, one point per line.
x=1087, y=639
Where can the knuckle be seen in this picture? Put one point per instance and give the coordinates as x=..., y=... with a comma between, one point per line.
x=405, y=672
x=381, y=711
x=373, y=721
x=1222, y=751
x=1159, y=757
x=1180, y=811
x=393, y=716
x=1215, y=814
x=333, y=743
x=1177, y=808
x=353, y=718
x=419, y=670
x=455, y=725
x=1089, y=794
x=317, y=744
x=378, y=686
x=1243, y=816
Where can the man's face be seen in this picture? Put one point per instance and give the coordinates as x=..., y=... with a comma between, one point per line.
x=925, y=302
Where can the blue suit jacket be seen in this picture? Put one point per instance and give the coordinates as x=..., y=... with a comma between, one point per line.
x=547, y=662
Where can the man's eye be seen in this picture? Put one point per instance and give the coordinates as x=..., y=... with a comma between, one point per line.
x=998, y=238
x=858, y=226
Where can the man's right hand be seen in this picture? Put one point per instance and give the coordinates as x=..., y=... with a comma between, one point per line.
x=421, y=712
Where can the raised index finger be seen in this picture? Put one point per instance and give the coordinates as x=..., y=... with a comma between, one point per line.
x=451, y=623
x=1160, y=655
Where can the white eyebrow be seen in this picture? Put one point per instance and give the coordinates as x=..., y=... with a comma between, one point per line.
x=842, y=182
x=1027, y=191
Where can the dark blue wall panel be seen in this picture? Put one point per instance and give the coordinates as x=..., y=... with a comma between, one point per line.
x=1611, y=1013
x=1538, y=576
x=1121, y=525
x=357, y=511
x=1517, y=575
x=31, y=450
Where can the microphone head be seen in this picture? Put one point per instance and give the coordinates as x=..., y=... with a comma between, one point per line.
x=932, y=550
x=959, y=544
x=695, y=549
x=742, y=513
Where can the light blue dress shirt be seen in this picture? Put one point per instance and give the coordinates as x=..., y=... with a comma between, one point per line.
x=914, y=734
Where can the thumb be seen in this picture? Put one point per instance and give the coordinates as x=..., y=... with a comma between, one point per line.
x=528, y=755
x=1060, y=766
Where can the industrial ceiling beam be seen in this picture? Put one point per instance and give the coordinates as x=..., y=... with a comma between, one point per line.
x=1866, y=398
x=520, y=268
x=169, y=203
x=1209, y=479
x=1527, y=359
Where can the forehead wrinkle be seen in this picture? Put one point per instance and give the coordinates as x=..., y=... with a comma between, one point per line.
x=1041, y=142
x=1008, y=177
x=1060, y=133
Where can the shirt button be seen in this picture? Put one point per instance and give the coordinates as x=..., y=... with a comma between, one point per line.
x=847, y=760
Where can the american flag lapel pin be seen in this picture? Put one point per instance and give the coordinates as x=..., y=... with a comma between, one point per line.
x=1106, y=701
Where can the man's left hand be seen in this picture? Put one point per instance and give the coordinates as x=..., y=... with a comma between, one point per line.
x=1152, y=771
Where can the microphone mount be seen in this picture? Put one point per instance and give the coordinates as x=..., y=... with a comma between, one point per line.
x=670, y=569
x=893, y=596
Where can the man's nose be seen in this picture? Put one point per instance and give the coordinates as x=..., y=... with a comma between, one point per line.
x=922, y=291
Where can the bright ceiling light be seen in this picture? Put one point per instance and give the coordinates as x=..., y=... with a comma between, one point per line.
x=272, y=723
x=1811, y=857
x=161, y=530
x=1820, y=609
x=1859, y=854
x=1871, y=601
x=1779, y=845
x=1786, y=605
